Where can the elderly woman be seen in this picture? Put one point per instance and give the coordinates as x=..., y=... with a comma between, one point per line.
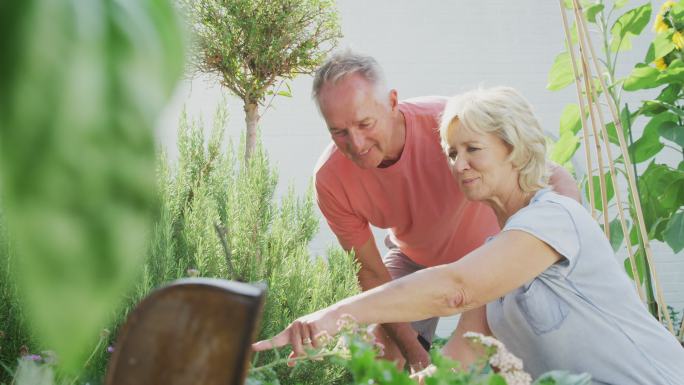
x=548, y=286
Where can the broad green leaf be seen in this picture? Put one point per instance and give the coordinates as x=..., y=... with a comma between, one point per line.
x=661, y=46
x=674, y=233
x=616, y=234
x=645, y=148
x=631, y=23
x=564, y=148
x=672, y=198
x=648, y=145
x=673, y=132
x=642, y=77
x=626, y=119
x=561, y=74
x=78, y=156
x=667, y=106
x=640, y=265
x=670, y=93
x=570, y=119
x=673, y=74
x=655, y=188
x=592, y=10
x=610, y=191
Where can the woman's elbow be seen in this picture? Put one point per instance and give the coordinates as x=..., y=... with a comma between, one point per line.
x=456, y=297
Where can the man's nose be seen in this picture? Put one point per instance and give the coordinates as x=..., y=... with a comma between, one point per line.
x=357, y=140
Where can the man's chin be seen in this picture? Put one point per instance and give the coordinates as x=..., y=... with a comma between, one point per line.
x=366, y=165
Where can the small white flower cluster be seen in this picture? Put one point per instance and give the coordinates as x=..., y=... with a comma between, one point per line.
x=510, y=367
x=348, y=326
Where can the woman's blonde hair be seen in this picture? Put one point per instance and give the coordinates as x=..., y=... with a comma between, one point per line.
x=502, y=111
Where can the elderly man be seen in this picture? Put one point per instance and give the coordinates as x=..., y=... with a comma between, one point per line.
x=386, y=168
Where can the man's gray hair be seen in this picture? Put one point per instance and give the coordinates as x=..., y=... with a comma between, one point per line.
x=346, y=62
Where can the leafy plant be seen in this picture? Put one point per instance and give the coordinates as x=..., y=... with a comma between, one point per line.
x=254, y=46
x=355, y=349
x=660, y=186
x=81, y=85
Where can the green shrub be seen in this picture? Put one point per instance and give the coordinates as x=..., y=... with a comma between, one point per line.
x=267, y=240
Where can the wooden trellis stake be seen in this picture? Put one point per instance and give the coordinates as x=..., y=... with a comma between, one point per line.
x=583, y=114
x=591, y=94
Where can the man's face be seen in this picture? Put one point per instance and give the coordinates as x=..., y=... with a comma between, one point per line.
x=359, y=122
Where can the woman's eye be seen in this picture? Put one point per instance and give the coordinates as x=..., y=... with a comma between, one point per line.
x=472, y=149
x=452, y=155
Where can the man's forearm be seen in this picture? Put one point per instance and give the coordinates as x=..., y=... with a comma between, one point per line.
x=401, y=333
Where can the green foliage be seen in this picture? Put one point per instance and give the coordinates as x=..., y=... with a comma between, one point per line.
x=256, y=45
x=660, y=186
x=81, y=91
x=561, y=74
x=631, y=23
x=267, y=241
x=610, y=191
x=356, y=350
x=674, y=232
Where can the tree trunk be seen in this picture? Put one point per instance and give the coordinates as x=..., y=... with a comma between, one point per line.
x=251, y=119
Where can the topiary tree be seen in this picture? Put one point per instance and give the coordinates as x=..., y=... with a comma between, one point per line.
x=255, y=45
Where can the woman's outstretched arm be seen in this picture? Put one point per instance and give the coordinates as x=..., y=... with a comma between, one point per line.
x=513, y=258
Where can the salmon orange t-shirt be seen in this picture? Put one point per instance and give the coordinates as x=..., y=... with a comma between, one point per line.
x=416, y=198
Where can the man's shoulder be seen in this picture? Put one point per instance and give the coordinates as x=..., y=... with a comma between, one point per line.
x=331, y=164
x=424, y=105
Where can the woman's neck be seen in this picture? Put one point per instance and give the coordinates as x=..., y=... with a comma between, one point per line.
x=505, y=205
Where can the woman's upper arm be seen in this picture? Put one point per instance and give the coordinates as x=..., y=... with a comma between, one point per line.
x=507, y=262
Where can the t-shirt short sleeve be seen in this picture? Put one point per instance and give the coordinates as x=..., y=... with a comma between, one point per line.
x=351, y=230
x=553, y=224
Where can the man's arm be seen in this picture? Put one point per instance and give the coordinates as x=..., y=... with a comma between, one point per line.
x=562, y=182
x=373, y=273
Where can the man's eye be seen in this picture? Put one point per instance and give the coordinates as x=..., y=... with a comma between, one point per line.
x=339, y=133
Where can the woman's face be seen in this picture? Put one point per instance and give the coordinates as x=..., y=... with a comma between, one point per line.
x=479, y=162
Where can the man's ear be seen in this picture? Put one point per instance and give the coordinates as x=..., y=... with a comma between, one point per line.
x=393, y=99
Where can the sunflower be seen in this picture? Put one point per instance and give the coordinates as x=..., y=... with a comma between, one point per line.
x=678, y=40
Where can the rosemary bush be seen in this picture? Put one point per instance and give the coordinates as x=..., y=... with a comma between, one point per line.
x=267, y=241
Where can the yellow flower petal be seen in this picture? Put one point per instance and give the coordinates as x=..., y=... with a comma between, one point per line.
x=660, y=63
x=667, y=5
x=678, y=40
x=659, y=26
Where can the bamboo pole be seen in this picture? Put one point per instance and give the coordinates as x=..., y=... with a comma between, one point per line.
x=583, y=114
x=631, y=178
x=591, y=94
x=618, y=195
x=597, y=143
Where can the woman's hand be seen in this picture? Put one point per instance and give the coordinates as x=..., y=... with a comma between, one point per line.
x=309, y=331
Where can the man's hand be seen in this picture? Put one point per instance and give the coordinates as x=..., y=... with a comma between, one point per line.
x=374, y=273
x=562, y=182
x=417, y=359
